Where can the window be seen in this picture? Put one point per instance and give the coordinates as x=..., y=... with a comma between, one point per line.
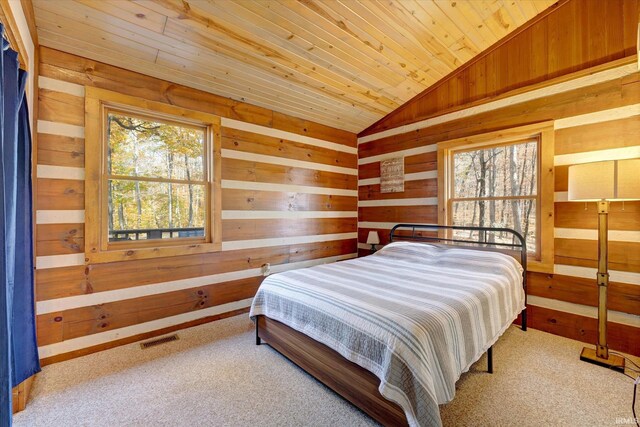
x=156, y=178
x=151, y=179
x=497, y=186
x=503, y=179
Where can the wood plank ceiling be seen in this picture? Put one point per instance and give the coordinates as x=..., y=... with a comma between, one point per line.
x=341, y=63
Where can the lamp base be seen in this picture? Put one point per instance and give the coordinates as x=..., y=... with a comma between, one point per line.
x=613, y=362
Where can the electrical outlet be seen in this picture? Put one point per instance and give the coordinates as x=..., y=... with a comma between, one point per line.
x=266, y=269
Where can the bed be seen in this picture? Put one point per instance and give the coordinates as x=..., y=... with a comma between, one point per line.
x=393, y=332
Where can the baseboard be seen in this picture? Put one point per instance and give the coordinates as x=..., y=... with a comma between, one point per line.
x=128, y=340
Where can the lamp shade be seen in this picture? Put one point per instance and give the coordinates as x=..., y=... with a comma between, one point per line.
x=629, y=179
x=373, y=238
x=610, y=180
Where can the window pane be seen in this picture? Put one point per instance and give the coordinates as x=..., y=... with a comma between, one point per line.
x=519, y=215
x=140, y=210
x=138, y=147
x=509, y=170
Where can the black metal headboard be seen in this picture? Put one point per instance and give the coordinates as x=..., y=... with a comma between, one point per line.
x=521, y=244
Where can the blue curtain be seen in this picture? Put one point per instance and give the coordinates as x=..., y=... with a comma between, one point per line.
x=25, y=350
x=18, y=349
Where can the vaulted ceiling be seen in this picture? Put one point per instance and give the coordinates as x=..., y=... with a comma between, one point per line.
x=341, y=63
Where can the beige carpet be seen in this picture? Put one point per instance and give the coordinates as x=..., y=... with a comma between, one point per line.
x=215, y=376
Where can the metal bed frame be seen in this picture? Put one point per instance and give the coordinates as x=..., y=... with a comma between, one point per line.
x=482, y=241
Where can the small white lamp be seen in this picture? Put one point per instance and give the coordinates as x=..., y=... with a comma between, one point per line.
x=373, y=239
x=603, y=182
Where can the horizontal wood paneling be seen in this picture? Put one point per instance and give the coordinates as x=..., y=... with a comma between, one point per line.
x=405, y=214
x=58, y=239
x=285, y=201
x=61, y=357
x=67, y=245
x=581, y=328
x=69, y=324
x=144, y=272
x=404, y=141
x=60, y=194
x=307, y=251
x=77, y=301
x=622, y=297
x=598, y=136
x=234, y=139
x=623, y=256
x=585, y=215
x=73, y=281
x=60, y=150
x=312, y=129
x=412, y=164
x=60, y=107
x=48, y=232
x=244, y=170
x=244, y=229
x=412, y=189
x=384, y=234
x=575, y=35
x=61, y=282
x=364, y=252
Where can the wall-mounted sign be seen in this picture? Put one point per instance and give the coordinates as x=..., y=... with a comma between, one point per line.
x=392, y=175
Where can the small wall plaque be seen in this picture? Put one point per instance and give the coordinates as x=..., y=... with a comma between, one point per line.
x=392, y=175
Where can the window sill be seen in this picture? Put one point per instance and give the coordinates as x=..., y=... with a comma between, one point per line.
x=539, y=267
x=97, y=257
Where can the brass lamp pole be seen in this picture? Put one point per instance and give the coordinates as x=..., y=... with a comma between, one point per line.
x=600, y=355
x=603, y=182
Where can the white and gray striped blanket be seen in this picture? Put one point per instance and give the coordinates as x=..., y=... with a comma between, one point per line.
x=415, y=315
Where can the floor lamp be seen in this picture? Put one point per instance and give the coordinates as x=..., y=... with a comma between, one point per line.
x=602, y=182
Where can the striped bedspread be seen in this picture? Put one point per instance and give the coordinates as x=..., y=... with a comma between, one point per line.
x=415, y=315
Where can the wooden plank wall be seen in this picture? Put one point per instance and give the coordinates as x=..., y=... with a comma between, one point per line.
x=289, y=198
x=597, y=117
x=575, y=65
x=568, y=37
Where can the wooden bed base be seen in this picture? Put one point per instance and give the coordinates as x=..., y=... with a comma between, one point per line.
x=352, y=382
